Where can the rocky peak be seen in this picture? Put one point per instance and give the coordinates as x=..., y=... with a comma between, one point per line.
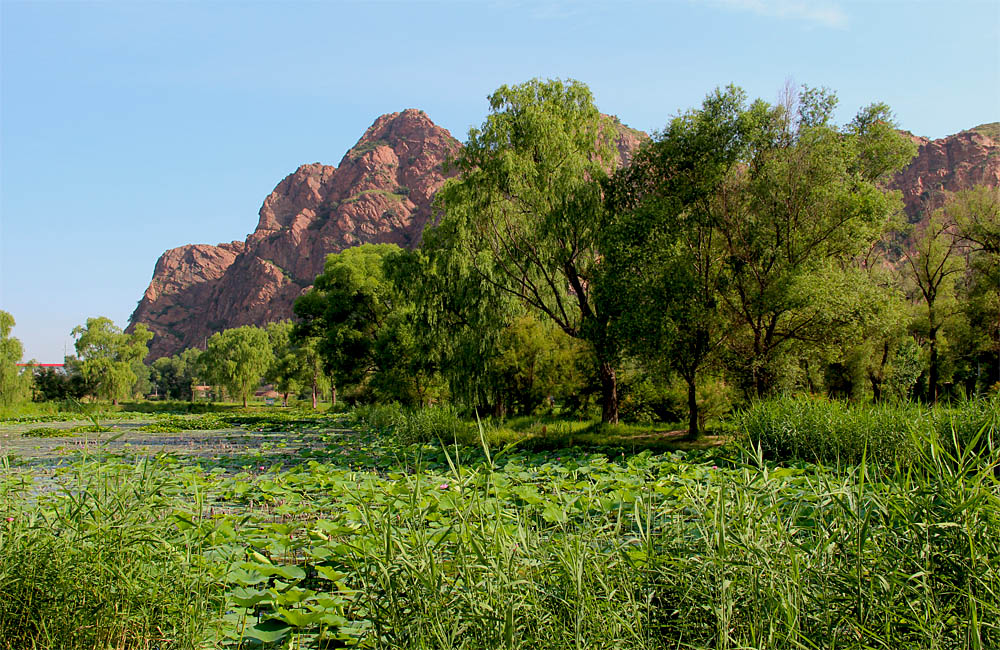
x=381, y=192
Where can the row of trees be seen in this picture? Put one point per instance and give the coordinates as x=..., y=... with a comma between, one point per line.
x=109, y=364
x=239, y=359
x=745, y=249
x=749, y=242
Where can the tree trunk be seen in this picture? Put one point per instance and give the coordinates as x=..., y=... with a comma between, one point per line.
x=244, y=400
x=609, y=394
x=284, y=399
x=333, y=394
x=693, y=430
x=315, y=390
x=876, y=387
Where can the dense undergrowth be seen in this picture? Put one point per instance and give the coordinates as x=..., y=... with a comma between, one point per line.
x=376, y=543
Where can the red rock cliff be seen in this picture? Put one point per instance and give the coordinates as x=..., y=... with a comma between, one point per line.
x=950, y=164
x=380, y=193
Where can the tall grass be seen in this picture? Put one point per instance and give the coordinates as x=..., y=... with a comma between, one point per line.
x=97, y=564
x=819, y=430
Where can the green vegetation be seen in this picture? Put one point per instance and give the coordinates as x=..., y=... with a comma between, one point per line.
x=15, y=384
x=372, y=542
x=96, y=563
x=526, y=211
x=110, y=361
x=238, y=358
x=808, y=454
x=837, y=433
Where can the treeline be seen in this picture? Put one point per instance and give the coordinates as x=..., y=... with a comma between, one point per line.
x=109, y=365
x=747, y=249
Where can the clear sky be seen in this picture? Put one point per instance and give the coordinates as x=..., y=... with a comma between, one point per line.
x=133, y=127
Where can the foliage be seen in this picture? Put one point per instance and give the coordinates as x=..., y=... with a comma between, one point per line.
x=365, y=327
x=107, y=356
x=374, y=543
x=287, y=369
x=526, y=209
x=238, y=358
x=93, y=565
x=178, y=423
x=53, y=432
x=976, y=215
x=804, y=207
x=665, y=268
x=934, y=268
x=15, y=384
x=816, y=430
x=174, y=377
x=828, y=431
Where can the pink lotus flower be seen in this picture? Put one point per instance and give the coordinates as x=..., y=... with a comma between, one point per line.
x=443, y=486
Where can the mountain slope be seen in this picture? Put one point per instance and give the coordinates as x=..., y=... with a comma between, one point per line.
x=381, y=193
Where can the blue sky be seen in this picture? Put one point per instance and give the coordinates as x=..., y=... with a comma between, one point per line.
x=132, y=127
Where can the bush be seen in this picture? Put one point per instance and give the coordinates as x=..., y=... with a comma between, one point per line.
x=383, y=418
x=433, y=423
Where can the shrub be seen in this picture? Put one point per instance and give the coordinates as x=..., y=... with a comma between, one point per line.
x=433, y=423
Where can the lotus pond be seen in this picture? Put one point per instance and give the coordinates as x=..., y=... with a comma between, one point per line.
x=324, y=532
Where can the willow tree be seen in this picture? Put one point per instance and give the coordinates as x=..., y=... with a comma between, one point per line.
x=15, y=385
x=527, y=208
x=238, y=359
x=109, y=357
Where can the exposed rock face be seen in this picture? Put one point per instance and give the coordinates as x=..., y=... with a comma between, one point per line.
x=183, y=281
x=950, y=164
x=380, y=193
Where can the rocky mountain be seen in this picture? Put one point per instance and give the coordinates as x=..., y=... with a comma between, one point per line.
x=381, y=192
x=949, y=164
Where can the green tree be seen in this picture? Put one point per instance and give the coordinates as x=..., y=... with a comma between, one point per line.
x=365, y=326
x=107, y=356
x=794, y=219
x=665, y=267
x=287, y=369
x=536, y=366
x=528, y=206
x=238, y=359
x=935, y=265
x=173, y=377
x=15, y=384
x=976, y=214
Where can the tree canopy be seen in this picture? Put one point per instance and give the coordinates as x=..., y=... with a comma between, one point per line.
x=15, y=384
x=238, y=359
x=527, y=209
x=108, y=356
